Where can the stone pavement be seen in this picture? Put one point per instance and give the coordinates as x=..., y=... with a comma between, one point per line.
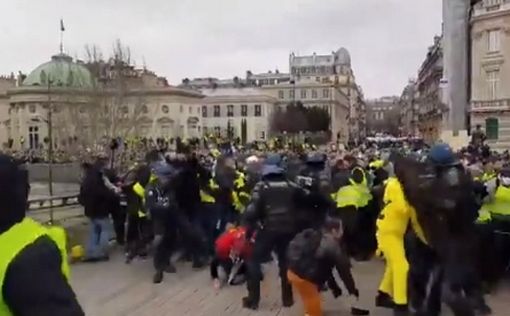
x=116, y=289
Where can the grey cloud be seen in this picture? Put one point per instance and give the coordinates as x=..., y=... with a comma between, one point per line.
x=387, y=39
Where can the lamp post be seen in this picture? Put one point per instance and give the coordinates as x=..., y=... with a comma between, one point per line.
x=49, y=123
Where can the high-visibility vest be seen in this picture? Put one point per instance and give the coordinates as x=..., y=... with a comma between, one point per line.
x=347, y=195
x=17, y=238
x=140, y=191
x=500, y=204
x=206, y=197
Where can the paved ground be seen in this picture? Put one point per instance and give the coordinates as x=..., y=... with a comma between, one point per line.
x=114, y=288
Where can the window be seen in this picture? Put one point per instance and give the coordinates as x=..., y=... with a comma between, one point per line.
x=190, y=109
x=492, y=128
x=493, y=40
x=165, y=131
x=165, y=109
x=281, y=94
x=318, y=79
x=180, y=108
x=204, y=111
x=314, y=94
x=145, y=109
x=493, y=84
x=216, y=111
x=244, y=110
x=325, y=93
x=258, y=110
x=33, y=137
x=292, y=94
x=303, y=93
x=124, y=110
x=230, y=110
x=31, y=108
x=217, y=130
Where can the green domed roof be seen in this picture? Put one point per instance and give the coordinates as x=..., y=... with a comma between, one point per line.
x=62, y=72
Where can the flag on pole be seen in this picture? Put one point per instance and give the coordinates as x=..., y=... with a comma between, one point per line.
x=62, y=28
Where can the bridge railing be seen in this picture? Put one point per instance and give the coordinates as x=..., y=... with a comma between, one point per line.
x=56, y=201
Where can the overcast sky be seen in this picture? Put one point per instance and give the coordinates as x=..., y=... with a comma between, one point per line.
x=387, y=39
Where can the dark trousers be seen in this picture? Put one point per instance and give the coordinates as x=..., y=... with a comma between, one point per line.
x=165, y=235
x=139, y=234
x=191, y=234
x=119, y=224
x=227, y=266
x=265, y=243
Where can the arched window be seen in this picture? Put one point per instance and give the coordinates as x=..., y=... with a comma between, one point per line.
x=492, y=128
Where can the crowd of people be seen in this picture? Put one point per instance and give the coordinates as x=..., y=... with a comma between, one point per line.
x=438, y=218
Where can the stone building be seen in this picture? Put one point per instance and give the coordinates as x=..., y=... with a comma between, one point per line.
x=409, y=109
x=242, y=113
x=490, y=70
x=383, y=115
x=84, y=108
x=432, y=111
x=316, y=94
x=334, y=70
x=6, y=83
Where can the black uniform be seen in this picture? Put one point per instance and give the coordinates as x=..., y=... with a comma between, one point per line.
x=272, y=208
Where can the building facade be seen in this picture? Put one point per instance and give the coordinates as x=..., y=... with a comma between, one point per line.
x=409, y=109
x=334, y=69
x=432, y=111
x=316, y=94
x=242, y=113
x=383, y=115
x=63, y=98
x=490, y=70
x=6, y=84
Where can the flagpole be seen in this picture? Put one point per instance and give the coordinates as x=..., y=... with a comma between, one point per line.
x=62, y=29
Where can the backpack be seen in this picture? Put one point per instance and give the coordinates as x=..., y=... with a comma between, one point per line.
x=302, y=251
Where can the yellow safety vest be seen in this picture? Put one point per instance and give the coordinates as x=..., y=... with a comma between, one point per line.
x=206, y=197
x=140, y=191
x=348, y=195
x=500, y=204
x=17, y=238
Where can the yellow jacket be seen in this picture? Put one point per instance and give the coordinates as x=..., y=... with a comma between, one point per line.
x=397, y=213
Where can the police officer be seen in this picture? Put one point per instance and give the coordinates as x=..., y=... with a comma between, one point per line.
x=271, y=208
x=161, y=205
x=315, y=178
x=33, y=262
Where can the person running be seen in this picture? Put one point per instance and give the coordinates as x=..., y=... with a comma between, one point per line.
x=312, y=255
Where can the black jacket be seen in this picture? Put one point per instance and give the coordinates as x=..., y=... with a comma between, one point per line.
x=312, y=255
x=35, y=286
x=95, y=197
x=273, y=204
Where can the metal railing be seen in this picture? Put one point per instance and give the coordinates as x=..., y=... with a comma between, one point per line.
x=49, y=202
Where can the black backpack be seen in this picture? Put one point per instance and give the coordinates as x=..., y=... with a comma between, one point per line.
x=302, y=252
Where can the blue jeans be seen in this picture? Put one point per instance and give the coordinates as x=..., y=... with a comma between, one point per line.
x=99, y=237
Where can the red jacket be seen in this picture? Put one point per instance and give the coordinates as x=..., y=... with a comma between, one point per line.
x=233, y=241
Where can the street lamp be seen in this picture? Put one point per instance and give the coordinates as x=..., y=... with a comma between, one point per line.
x=48, y=121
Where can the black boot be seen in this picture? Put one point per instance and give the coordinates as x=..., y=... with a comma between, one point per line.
x=384, y=300
x=359, y=311
x=400, y=310
x=253, y=298
x=158, y=277
x=287, y=297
